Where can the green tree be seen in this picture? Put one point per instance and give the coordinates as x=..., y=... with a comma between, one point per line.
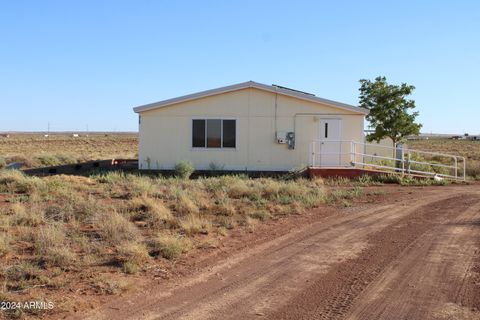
x=390, y=111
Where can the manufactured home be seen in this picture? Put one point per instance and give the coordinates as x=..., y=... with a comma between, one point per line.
x=249, y=127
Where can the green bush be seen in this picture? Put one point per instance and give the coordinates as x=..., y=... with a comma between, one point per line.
x=184, y=169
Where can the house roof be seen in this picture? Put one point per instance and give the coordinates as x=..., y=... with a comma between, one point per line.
x=251, y=84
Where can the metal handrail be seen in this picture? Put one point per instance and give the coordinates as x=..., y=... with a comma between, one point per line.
x=405, y=159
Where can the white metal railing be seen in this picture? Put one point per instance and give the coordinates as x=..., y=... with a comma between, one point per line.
x=348, y=153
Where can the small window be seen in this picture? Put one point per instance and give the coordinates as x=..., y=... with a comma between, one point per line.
x=214, y=133
x=326, y=130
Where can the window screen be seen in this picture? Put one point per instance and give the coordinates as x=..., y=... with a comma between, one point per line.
x=214, y=133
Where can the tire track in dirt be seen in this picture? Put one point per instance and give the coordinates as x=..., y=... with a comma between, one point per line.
x=432, y=278
x=311, y=273
x=333, y=295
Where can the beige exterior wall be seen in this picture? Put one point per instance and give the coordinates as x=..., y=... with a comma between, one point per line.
x=165, y=133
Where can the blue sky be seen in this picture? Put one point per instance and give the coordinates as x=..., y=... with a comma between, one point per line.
x=79, y=63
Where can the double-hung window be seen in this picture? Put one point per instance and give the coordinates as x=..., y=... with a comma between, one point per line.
x=214, y=133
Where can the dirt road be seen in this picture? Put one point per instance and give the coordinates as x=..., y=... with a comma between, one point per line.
x=414, y=258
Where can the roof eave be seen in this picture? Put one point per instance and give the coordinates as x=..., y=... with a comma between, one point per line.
x=244, y=85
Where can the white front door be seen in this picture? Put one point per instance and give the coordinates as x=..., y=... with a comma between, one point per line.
x=330, y=135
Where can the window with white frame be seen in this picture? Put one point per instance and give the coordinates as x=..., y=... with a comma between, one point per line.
x=214, y=133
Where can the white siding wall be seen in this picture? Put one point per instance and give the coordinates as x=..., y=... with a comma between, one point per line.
x=165, y=133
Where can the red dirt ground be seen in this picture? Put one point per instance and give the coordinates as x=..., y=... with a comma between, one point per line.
x=413, y=253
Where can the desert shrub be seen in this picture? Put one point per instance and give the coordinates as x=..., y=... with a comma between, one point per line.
x=425, y=167
x=227, y=222
x=346, y=194
x=312, y=199
x=85, y=209
x=22, y=276
x=15, y=181
x=473, y=169
x=112, y=177
x=48, y=160
x=153, y=212
x=169, y=246
x=28, y=162
x=4, y=244
x=269, y=188
x=114, y=228
x=140, y=185
x=293, y=189
x=238, y=188
x=51, y=246
x=261, y=215
x=408, y=180
x=202, y=199
x=105, y=285
x=365, y=180
x=192, y=224
x=3, y=162
x=296, y=208
x=338, y=181
x=224, y=207
x=19, y=215
x=380, y=162
x=388, y=178
x=250, y=223
x=131, y=256
x=184, y=169
x=184, y=205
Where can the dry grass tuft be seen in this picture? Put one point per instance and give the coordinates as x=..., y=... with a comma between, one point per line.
x=238, y=188
x=261, y=215
x=4, y=244
x=184, y=205
x=225, y=208
x=51, y=246
x=14, y=181
x=114, y=228
x=169, y=246
x=19, y=215
x=250, y=223
x=104, y=285
x=227, y=222
x=193, y=224
x=151, y=211
x=131, y=256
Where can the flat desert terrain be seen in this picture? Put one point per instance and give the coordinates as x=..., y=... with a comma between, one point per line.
x=114, y=245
